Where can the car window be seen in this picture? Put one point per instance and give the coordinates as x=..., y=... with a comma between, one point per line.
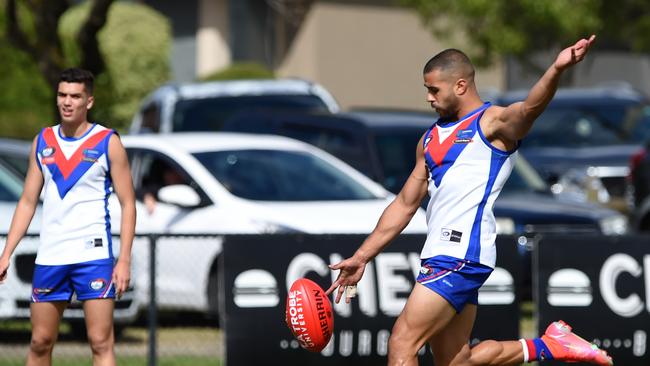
x=18, y=164
x=396, y=151
x=10, y=186
x=156, y=171
x=209, y=114
x=275, y=175
x=151, y=118
x=585, y=126
x=524, y=178
x=341, y=143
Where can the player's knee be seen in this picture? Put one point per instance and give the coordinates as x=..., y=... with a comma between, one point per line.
x=100, y=342
x=400, y=349
x=41, y=344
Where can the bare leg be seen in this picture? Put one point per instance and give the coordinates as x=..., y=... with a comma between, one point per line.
x=446, y=344
x=426, y=313
x=490, y=353
x=45, y=317
x=99, y=322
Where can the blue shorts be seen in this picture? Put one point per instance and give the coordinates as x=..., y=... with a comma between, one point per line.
x=457, y=280
x=89, y=280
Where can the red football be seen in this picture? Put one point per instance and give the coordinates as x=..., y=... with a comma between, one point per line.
x=309, y=315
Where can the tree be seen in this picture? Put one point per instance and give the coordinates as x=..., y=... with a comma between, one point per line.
x=135, y=42
x=522, y=27
x=132, y=49
x=43, y=43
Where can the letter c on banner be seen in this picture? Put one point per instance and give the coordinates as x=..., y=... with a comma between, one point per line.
x=612, y=268
x=304, y=263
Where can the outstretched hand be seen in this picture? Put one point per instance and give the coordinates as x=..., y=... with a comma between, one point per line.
x=351, y=272
x=574, y=54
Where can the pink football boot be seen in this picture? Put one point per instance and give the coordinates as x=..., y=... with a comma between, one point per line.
x=568, y=346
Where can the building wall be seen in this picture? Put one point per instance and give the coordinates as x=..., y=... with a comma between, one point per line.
x=369, y=56
x=212, y=37
x=183, y=16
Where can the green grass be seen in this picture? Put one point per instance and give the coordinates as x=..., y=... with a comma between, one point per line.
x=166, y=361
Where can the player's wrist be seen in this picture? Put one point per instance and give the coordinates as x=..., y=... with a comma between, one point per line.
x=362, y=256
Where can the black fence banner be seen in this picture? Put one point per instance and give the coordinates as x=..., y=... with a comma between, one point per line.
x=256, y=272
x=601, y=287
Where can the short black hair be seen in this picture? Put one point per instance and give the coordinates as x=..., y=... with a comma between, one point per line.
x=77, y=75
x=452, y=60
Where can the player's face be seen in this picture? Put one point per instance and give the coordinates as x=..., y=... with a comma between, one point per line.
x=73, y=102
x=440, y=93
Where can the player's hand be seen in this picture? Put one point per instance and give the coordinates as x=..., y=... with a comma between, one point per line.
x=574, y=54
x=4, y=266
x=121, y=277
x=350, y=274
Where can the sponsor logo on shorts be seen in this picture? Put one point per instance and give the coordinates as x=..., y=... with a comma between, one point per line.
x=450, y=235
x=42, y=291
x=97, y=284
x=425, y=270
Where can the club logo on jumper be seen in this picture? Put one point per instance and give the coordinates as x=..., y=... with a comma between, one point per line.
x=464, y=137
x=47, y=155
x=91, y=155
x=450, y=235
x=42, y=291
x=97, y=284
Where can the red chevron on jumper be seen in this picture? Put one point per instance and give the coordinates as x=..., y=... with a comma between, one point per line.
x=67, y=166
x=438, y=150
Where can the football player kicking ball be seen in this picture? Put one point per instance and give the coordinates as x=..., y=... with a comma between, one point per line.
x=463, y=161
x=77, y=164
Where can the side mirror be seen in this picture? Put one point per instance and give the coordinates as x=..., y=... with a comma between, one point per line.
x=180, y=195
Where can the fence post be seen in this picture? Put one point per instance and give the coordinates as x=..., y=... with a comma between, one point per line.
x=153, y=312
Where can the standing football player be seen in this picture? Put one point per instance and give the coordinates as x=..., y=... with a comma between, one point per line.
x=77, y=164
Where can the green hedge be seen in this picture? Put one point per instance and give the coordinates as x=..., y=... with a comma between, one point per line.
x=135, y=43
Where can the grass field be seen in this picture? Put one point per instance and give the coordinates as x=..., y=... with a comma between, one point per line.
x=177, y=346
x=134, y=360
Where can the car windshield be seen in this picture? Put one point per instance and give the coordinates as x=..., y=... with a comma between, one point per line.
x=586, y=126
x=281, y=175
x=397, y=155
x=524, y=178
x=209, y=114
x=10, y=186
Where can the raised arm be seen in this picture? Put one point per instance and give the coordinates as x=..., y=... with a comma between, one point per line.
x=24, y=210
x=391, y=223
x=512, y=123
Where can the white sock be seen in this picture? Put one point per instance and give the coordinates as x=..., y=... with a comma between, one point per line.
x=525, y=347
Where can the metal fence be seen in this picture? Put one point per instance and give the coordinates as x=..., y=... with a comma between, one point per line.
x=173, y=322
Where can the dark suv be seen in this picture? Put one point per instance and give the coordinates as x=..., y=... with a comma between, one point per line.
x=582, y=142
x=381, y=144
